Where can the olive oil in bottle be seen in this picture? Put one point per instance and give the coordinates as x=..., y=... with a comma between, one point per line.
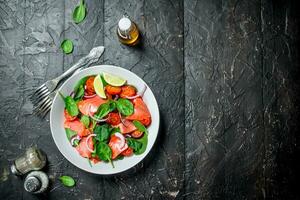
x=128, y=32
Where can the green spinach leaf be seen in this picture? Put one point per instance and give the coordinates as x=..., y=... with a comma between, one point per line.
x=104, y=152
x=114, y=130
x=140, y=126
x=102, y=132
x=125, y=106
x=85, y=120
x=138, y=145
x=67, y=46
x=67, y=181
x=79, y=12
x=70, y=105
x=104, y=109
x=70, y=133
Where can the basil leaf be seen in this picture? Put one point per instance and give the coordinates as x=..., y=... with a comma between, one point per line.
x=104, y=152
x=125, y=106
x=102, y=132
x=67, y=46
x=70, y=133
x=79, y=12
x=67, y=181
x=85, y=120
x=71, y=106
x=140, y=126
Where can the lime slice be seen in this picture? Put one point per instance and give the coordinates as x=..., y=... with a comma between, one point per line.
x=98, y=86
x=113, y=80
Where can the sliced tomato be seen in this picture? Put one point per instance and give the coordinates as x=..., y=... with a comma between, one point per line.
x=89, y=86
x=126, y=127
x=82, y=148
x=68, y=117
x=127, y=152
x=136, y=134
x=113, y=119
x=141, y=112
x=117, y=146
x=90, y=106
x=128, y=91
x=113, y=90
x=77, y=126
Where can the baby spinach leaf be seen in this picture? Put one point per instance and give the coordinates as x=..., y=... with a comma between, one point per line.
x=125, y=106
x=138, y=145
x=115, y=130
x=79, y=12
x=67, y=46
x=104, y=109
x=70, y=105
x=76, y=143
x=140, y=126
x=144, y=141
x=81, y=82
x=102, y=132
x=79, y=93
x=67, y=181
x=70, y=133
x=134, y=144
x=104, y=152
x=85, y=120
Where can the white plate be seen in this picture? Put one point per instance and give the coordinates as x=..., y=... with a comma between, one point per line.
x=58, y=131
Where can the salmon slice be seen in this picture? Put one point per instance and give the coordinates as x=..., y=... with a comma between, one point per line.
x=77, y=126
x=82, y=148
x=117, y=146
x=90, y=105
x=141, y=112
x=127, y=127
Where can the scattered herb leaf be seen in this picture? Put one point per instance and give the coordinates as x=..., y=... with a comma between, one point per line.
x=67, y=46
x=79, y=12
x=67, y=181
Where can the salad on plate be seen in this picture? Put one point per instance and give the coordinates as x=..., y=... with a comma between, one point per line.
x=106, y=119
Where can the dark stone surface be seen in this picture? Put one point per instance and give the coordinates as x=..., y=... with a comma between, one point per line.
x=225, y=74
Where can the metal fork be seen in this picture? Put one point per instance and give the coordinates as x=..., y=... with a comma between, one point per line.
x=44, y=106
x=44, y=90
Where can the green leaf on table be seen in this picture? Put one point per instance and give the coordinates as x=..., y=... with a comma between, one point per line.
x=85, y=120
x=79, y=12
x=67, y=46
x=70, y=133
x=125, y=107
x=67, y=181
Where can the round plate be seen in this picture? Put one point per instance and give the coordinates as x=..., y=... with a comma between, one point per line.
x=57, y=122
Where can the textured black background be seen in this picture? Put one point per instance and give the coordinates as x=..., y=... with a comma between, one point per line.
x=225, y=74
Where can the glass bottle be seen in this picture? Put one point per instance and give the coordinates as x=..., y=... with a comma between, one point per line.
x=36, y=182
x=128, y=32
x=32, y=159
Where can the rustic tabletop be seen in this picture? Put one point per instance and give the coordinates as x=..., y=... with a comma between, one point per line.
x=225, y=75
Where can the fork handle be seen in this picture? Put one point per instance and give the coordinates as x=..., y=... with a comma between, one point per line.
x=83, y=61
x=92, y=57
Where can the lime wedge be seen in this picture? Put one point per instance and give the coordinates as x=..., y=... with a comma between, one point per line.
x=98, y=86
x=113, y=80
